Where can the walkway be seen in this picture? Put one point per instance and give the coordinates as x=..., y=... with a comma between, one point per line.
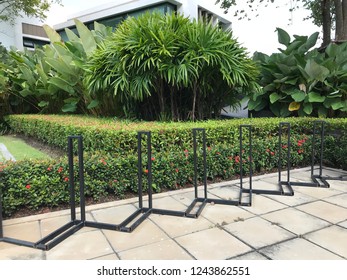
x=312, y=224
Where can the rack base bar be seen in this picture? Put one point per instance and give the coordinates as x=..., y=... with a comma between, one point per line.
x=338, y=178
x=47, y=244
x=203, y=202
x=145, y=214
x=168, y=212
x=18, y=242
x=102, y=225
x=274, y=192
x=317, y=178
x=287, y=185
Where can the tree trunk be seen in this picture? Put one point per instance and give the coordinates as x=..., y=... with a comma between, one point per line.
x=326, y=22
x=341, y=20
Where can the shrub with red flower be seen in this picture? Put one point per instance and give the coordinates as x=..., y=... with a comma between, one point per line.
x=28, y=187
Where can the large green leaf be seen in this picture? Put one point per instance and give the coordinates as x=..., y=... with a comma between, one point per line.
x=315, y=97
x=308, y=108
x=299, y=96
x=69, y=108
x=316, y=71
x=274, y=97
x=62, y=84
x=52, y=34
x=283, y=37
x=87, y=38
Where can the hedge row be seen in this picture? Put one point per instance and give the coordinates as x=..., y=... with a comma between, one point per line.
x=36, y=184
x=111, y=135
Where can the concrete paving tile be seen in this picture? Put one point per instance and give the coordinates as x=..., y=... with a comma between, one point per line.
x=113, y=215
x=51, y=224
x=340, y=200
x=177, y=226
x=212, y=243
x=29, y=231
x=338, y=185
x=319, y=193
x=253, y=256
x=225, y=214
x=343, y=224
x=146, y=233
x=262, y=205
x=169, y=203
x=332, y=238
x=295, y=221
x=270, y=184
x=324, y=210
x=82, y=246
x=163, y=250
x=227, y=192
x=109, y=257
x=248, y=231
x=14, y=252
x=298, y=249
x=295, y=200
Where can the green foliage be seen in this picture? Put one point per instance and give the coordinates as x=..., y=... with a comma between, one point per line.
x=299, y=81
x=111, y=161
x=165, y=65
x=10, y=9
x=48, y=80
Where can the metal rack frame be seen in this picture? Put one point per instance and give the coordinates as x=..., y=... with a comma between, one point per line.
x=281, y=184
x=142, y=213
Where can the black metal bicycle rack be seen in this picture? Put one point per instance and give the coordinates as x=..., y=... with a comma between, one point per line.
x=75, y=224
x=284, y=187
x=142, y=213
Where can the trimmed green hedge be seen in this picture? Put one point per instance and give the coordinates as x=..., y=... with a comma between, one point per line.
x=34, y=184
x=111, y=135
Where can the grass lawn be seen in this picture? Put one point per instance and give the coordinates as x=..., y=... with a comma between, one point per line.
x=20, y=150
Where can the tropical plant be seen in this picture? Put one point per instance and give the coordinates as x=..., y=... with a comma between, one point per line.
x=169, y=67
x=301, y=81
x=49, y=79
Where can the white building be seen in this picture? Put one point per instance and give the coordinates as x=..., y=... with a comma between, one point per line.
x=113, y=13
x=23, y=32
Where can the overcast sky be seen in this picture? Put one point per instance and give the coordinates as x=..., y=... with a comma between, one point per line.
x=257, y=34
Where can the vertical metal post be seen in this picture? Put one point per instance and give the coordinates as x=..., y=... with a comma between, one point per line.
x=81, y=178
x=321, y=149
x=204, y=161
x=71, y=179
x=149, y=159
x=139, y=168
x=280, y=148
x=250, y=151
x=195, y=164
x=314, y=134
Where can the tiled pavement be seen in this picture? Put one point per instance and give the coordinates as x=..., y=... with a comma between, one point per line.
x=312, y=224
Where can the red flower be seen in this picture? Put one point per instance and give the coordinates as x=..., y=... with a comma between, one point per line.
x=146, y=171
x=28, y=187
x=176, y=170
x=66, y=179
x=237, y=159
x=115, y=181
x=209, y=148
x=267, y=150
x=218, y=153
x=272, y=153
x=60, y=169
x=49, y=168
x=153, y=158
x=300, y=151
x=284, y=146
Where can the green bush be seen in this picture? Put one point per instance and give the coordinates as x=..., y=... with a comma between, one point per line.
x=301, y=81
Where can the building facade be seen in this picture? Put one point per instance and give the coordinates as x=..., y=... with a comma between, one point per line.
x=24, y=32
x=113, y=13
